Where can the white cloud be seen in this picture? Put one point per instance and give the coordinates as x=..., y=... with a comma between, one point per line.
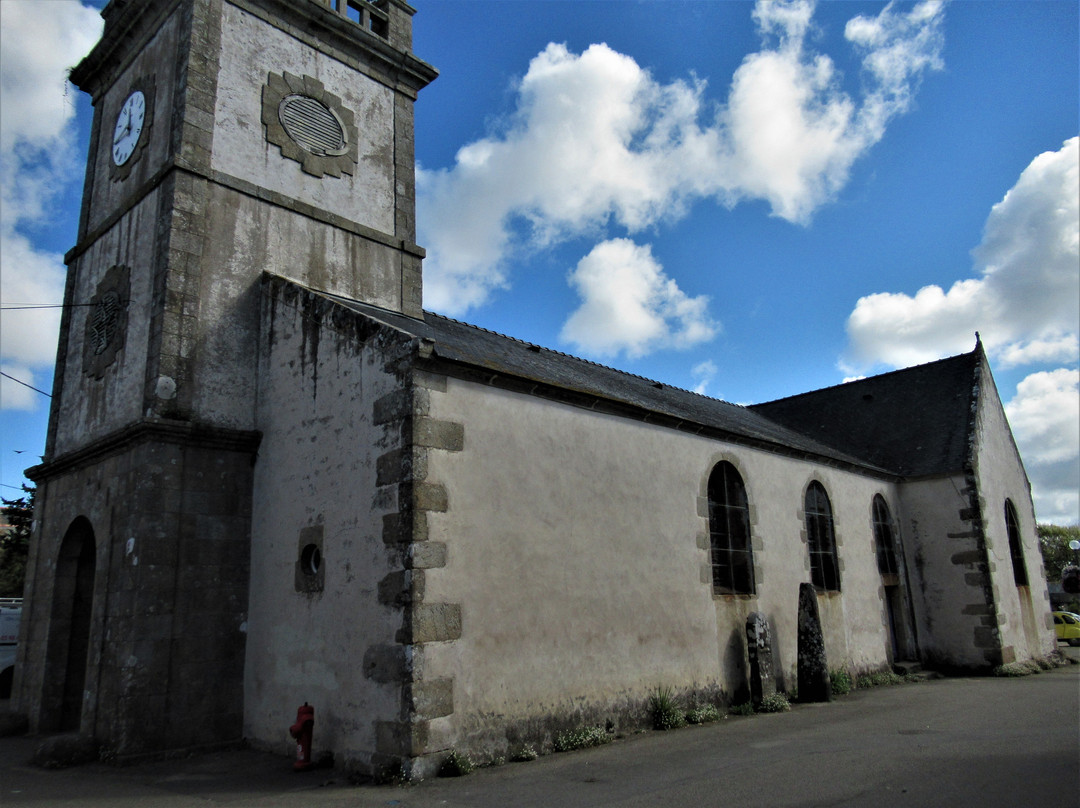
x=1045, y=419
x=30, y=277
x=1026, y=304
x=788, y=20
x=1045, y=416
x=1053, y=348
x=15, y=396
x=704, y=372
x=566, y=166
x=596, y=141
x=794, y=135
x=39, y=42
x=630, y=306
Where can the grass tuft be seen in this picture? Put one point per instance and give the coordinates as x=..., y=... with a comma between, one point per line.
x=666, y=713
x=746, y=708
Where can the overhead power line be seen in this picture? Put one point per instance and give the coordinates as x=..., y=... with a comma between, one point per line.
x=23, y=306
x=24, y=384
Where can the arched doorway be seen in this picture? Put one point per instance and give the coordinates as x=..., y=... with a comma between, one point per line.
x=73, y=598
x=886, y=541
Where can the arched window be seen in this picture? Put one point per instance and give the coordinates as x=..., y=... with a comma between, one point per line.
x=729, y=532
x=821, y=538
x=883, y=538
x=1016, y=549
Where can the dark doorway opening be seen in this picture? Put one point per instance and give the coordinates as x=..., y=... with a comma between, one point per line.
x=73, y=599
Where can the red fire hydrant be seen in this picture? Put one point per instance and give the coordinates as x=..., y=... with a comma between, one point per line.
x=301, y=731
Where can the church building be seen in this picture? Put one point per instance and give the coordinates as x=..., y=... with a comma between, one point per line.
x=272, y=478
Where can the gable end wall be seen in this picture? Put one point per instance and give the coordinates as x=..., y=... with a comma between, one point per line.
x=1023, y=612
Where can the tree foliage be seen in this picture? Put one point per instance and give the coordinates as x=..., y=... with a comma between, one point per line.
x=15, y=542
x=1054, y=544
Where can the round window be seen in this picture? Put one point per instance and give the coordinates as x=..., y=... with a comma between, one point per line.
x=310, y=559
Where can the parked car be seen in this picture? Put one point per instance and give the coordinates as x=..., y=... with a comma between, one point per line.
x=1067, y=627
x=10, y=612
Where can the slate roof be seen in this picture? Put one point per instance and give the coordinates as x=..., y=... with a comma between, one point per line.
x=914, y=423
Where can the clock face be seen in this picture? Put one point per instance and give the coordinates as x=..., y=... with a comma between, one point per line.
x=129, y=126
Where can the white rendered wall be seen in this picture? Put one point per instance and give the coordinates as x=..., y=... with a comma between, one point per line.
x=1023, y=612
x=948, y=596
x=316, y=466
x=577, y=548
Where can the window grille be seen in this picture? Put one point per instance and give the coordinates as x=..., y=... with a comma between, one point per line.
x=821, y=539
x=729, y=532
x=313, y=125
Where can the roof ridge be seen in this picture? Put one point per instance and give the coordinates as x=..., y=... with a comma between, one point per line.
x=674, y=404
x=577, y=358
x=528, y=344
x=877, y=377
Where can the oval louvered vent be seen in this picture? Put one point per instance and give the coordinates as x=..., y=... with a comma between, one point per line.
x=314, y=126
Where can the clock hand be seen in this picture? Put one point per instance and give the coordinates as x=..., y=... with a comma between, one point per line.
x=127, y=128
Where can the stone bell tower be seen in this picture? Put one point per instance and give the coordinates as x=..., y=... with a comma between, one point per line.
x=230, y=138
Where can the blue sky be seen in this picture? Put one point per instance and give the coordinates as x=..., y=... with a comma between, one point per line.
x=748, y=200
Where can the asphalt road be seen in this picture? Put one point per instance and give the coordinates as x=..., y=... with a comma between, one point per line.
x=981, y=742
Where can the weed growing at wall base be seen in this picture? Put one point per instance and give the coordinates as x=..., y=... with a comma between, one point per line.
x=1030, y=666
x=879, y=679
x=746, y=708
x=776, y=703
x=581, y=738
x=665, y=710
x=703, y=714
x=457, y=764
x=841, y=682
x=523, y=753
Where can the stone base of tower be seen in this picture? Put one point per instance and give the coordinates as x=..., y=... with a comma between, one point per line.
x=137, y=589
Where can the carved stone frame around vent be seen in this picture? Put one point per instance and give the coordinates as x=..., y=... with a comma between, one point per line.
x=275, y=94
x=106, y=321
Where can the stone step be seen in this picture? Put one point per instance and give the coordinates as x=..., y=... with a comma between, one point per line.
x=906, y=667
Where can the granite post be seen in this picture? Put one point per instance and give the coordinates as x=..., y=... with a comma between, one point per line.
x=814, y=684
x=759, y=650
